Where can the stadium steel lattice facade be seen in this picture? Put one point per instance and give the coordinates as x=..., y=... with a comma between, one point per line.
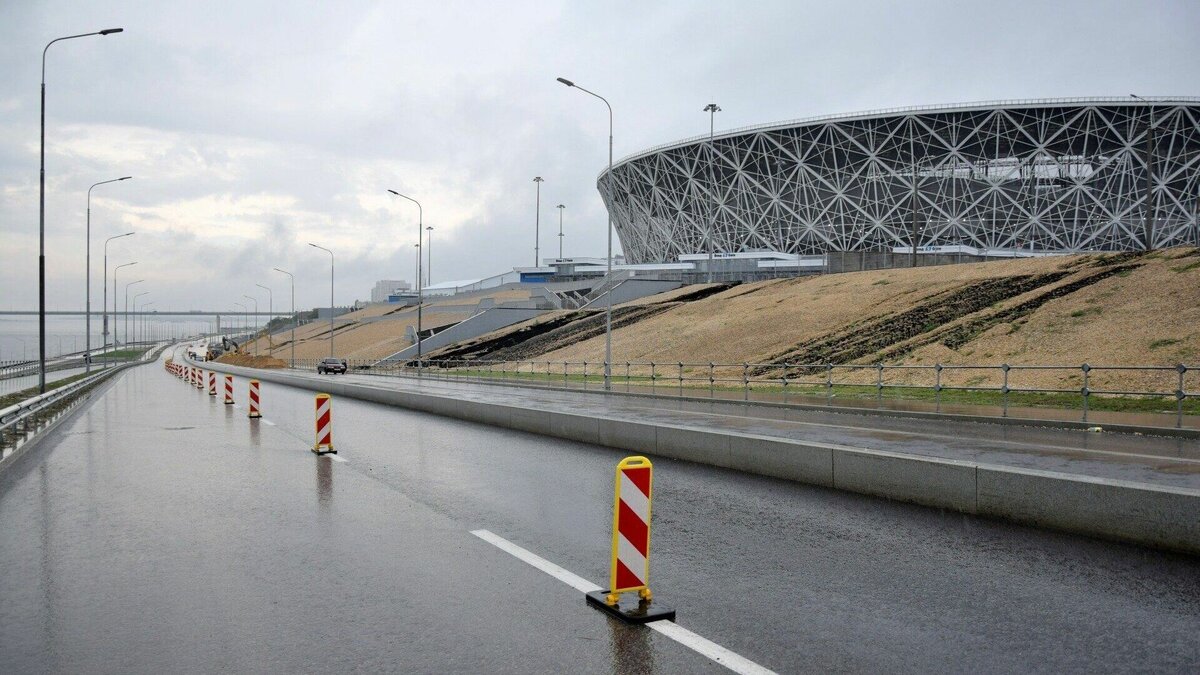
x=1045, y=175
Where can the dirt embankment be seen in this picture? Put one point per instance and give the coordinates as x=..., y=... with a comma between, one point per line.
x=1135, y=309
x=251, y=361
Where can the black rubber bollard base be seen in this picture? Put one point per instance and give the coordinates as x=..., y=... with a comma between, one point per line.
x=631, y=608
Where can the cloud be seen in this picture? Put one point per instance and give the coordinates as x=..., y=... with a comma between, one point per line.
x=251, y=131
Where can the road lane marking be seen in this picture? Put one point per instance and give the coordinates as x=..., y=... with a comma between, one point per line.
x=569, y=578
x=701, y=645
x=269, y=422
x=338, y=459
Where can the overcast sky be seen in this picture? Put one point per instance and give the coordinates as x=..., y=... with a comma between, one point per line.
x=252, y=128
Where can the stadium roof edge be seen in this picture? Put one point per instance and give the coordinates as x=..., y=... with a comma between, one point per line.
x=887, y=112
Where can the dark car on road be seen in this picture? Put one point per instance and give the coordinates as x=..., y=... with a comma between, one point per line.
x=332, y=365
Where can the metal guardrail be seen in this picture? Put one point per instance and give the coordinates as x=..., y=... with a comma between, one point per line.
x=16, y=414
x=786, y=380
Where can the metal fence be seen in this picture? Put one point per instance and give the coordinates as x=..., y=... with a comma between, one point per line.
x=1166, y=389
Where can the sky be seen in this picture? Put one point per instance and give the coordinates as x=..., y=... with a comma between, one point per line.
x=253, y=128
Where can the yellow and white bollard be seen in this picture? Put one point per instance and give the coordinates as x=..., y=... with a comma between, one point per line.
x=254, y=413
x=630, y=561
x=324, y=425
x=228, y=390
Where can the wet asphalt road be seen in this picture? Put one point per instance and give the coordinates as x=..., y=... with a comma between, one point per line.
x=161, y=531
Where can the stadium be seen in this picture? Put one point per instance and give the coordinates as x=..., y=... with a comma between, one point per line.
x=1029, y=177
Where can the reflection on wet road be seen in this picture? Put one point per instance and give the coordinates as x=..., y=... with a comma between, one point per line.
x=161, y=531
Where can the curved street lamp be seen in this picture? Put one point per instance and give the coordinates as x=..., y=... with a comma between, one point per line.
x=420, y=226
x=270, y=315
x=104, y=306
x=255, y=301
x=330, y=295
x=292, y=362
x=87, y=267
x=115, y=296
x=42, y=213
x=608, y=187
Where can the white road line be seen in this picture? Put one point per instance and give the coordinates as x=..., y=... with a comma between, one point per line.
x=337, y=459
x=569, y=578
x=731, y=660
x=266, y=421
x=703, y=646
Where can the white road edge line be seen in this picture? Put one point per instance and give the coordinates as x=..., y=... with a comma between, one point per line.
x=337, y=459
x=703, y=646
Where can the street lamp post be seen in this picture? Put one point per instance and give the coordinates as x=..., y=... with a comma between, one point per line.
x=255, y=301
x=608, y=186
x=420, y=226
x=417, y=261
x=42, y=213
x=428, y=255
x=292, y=360
x=87, y=323
x=138, y=335
x=537, y=220
x=136, y=296
x=560, y=208
x=331, y=295
x=104, y=306
x=270, y=315
x=114, y=325
x=712, y=109
x=243, y=315
x=146, y=325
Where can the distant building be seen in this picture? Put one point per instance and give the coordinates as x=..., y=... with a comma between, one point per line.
x=385, y=287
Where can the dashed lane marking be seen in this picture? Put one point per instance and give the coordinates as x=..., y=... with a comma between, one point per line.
x=701, y=645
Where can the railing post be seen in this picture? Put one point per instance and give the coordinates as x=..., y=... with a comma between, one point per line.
x=828, y=384
x=712, y=381
x=653, y=378
x=1180, y=395
x=745, y=381
x=627, y=380
x=937, y=384
x=785, y=372
x=585, y=375
x=681, y=379
x=1086, y=391
x=1004, y=390
x=879, y=382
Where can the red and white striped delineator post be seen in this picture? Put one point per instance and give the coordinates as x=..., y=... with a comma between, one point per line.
x=630, y=563
x=324, y=425
x=254, y=400
x=212, y=383
x=228, y=390
x=200, y=380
